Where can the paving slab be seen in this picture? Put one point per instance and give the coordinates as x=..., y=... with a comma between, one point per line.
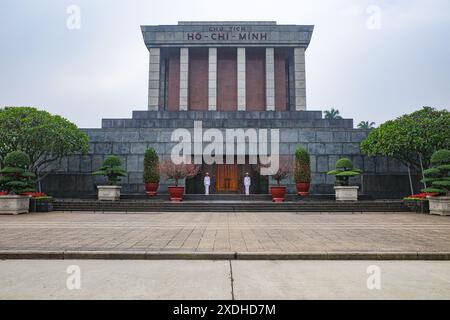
x=131, y=279
x=340, y=280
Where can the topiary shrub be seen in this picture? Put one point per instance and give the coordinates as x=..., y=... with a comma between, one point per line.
x=302, y=169
x=151, y=166
x=15, y=177
x=111, y=169
x=438, y=174
x=344, y=171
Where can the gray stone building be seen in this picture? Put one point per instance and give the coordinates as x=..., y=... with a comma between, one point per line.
x=227, y=75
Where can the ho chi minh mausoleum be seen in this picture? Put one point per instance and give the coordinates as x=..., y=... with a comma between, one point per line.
x=227, y=75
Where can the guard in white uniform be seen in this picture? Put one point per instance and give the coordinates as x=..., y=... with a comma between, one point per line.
x=207, y=183
x=247, y=183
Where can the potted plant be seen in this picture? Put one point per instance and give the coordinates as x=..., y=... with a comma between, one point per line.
x=16, y=179
x=40, y=202
x=177, y=172
x=343, y=172
x=278, y=191
x=151, y=172
x=113, y=171
x=302, y=172
x=438, y=177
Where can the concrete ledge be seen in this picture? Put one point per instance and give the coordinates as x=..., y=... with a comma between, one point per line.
x=31, y=255
x=145, y=255
x=281, y=256
x=105, y=255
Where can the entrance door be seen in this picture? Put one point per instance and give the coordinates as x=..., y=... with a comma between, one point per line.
x=227, y=178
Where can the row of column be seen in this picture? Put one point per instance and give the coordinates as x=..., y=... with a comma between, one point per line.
x=299, y=79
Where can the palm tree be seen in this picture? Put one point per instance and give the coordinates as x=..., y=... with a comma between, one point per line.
x=332, y=114
x=366, y=125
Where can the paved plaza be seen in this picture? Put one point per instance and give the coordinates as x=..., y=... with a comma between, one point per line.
x=226, y=232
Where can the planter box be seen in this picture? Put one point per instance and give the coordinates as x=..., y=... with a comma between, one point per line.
x=39, y=205
x=439, y=205
x=109, y=193
x=346, y=193
x=419, y=206
x=11, y=204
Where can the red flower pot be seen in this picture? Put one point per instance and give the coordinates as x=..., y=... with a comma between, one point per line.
x=176, y=193
x=150, y=188
x=278, y=193
x=303, y=188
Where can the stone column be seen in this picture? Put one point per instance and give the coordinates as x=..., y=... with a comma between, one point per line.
x=270, y=79
x=154, y=79
x=300, y=79
x=212, y=79
x=184, y=78
x=241, y=79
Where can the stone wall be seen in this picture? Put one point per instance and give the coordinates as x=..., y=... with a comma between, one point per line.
x=326, y=140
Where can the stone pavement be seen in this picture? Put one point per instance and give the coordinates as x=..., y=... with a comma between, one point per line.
x=269, y=233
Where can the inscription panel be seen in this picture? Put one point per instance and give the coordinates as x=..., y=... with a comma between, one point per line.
x=227, y=35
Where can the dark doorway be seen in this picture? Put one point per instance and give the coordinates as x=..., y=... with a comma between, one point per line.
x=228, y=178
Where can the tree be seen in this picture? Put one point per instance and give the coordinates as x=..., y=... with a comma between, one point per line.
x=151, y=166
x=111, y=169
x=284, y=170
x=45, y=138
x=366, y=125
x=15, y=177
x=178, y=172
x=332, y=114
x=438, y=174
x=411, y=139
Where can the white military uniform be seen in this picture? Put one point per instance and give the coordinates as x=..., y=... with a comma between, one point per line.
x=247, y=183
x=207, y=183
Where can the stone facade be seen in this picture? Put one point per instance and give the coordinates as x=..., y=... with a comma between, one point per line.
x=229, y=75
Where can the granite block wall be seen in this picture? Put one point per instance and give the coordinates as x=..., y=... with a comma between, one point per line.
x=326, y=140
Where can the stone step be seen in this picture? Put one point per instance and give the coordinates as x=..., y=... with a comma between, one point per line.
x=230, y=197
x=228, y=206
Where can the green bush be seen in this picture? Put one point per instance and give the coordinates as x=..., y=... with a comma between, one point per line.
x=151, y=166
x=344, y=171
x=15, y=176
x=111, y=169
x=438, y=174
x=302, y=170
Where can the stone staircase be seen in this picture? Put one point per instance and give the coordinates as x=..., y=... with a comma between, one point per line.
x=229, y=203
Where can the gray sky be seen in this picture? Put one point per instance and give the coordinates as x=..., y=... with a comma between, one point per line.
x=373, y=60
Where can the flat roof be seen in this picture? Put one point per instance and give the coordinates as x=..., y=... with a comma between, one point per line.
x=200, y=23
x=227, y=34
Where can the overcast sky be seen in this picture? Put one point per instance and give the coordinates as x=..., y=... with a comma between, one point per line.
x=372, y=60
